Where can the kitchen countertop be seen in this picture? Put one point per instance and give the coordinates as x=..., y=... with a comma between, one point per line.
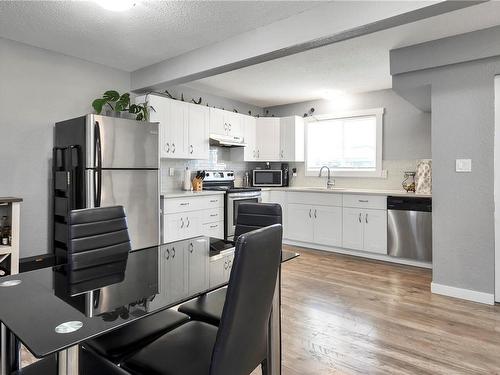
x=183, y=194
x=397, y=193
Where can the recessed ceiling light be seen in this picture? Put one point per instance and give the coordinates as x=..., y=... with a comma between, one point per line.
x=116, y=5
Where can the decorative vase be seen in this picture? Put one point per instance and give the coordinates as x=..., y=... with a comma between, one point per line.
x=423, y=177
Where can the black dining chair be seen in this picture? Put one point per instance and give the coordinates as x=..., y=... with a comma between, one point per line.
x=251, y=216
x=239, y=344
x=99, y=245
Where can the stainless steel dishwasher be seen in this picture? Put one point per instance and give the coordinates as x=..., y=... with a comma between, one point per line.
x=409, y=228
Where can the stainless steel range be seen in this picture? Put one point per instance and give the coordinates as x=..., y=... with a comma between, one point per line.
x=224, y=181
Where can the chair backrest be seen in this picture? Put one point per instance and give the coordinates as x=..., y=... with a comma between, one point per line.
x=241, y=339
x=97, y=236
x=253, y=216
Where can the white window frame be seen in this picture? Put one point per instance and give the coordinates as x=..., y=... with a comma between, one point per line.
x=379, y=116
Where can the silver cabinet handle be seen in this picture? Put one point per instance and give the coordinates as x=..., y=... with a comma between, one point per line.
x=184, y=204
x=173, y=148
x=230, y=264
x=214, y=215
x=167, y=147
x=229, y=124
x=214, y=226
x=315, y=213
x=225, y=265
x=366, y=218
x=188, y=222
x=167, y=254
x=282, y=153
x=258, y=154
x=173, y=252
x=192, y=149
x=310, y=215
x=191, y=247
x=225, y=127
x=182, y=222
x=363, y=200
x=359, y=217
x=214, y=200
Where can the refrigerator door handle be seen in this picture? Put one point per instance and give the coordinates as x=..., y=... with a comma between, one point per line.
x=98, y=165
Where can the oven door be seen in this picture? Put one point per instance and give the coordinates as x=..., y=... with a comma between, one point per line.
x=233, y=201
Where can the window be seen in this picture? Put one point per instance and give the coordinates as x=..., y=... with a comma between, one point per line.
x=350, y=144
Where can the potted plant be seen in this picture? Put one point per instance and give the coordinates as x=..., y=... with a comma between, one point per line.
x=117, y=104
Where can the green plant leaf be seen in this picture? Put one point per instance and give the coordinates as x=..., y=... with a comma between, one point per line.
x=98, y=104
x=111, y=95
x=134, y=109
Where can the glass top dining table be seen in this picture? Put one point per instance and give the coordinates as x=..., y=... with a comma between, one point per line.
x=52, y=310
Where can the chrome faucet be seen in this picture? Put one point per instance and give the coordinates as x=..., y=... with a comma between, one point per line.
x=330, y=184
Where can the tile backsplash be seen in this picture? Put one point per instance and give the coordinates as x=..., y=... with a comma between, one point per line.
x=224, y=158
x=220, y=158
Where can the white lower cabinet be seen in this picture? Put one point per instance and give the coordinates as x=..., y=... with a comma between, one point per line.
x=300, y=224
x=315, y=224
x=193, y=216
x=220, y=269
x=365, y=229
x=328, y=225
x=174, y=272
x=198, y=256
x=352, y=236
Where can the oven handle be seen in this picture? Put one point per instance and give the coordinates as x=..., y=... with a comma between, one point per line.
x=244, y=195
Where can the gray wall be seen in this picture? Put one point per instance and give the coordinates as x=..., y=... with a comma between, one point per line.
x=462, y=102
x=38, y=88
x=213, y=100
x=407, y=130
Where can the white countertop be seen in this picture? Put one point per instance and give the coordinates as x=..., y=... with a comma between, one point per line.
x=182, y=193
x=398, y=193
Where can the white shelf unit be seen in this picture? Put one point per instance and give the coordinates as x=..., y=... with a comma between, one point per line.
x=11, y=252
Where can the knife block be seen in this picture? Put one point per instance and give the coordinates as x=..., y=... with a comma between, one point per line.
x=197, y=184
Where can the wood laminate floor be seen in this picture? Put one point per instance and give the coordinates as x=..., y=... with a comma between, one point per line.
x=347, y=315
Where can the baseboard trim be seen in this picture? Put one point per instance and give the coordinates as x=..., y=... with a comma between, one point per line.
x=361, y=254
x=467, y=294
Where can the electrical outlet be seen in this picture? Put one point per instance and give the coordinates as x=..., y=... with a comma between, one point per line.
x=463, y=165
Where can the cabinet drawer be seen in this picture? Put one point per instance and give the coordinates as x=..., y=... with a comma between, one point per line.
x=212, y=215
x=177, y=205
x=365, y=201
x=315, y=199
x=215, y=230
x=214, y=201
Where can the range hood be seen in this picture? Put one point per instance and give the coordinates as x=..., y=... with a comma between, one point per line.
x=226, y=141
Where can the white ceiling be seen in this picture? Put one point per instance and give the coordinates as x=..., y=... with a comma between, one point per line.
x=150, y=32
x=353, y=66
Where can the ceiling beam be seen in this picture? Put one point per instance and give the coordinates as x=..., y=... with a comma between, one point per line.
x=325, y=24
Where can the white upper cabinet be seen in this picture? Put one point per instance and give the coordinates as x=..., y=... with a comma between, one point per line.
x=183, y=127
x=268, y=138
x=176, y=129
x=226, y=123
x=277, y=139
x=198, y=124
x=250, y=128
x=291, y=139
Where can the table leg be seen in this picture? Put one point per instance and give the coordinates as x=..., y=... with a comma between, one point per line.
x=68, y=361
x=10, y=355
x=274, y=334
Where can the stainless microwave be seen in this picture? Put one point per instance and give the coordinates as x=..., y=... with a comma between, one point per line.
x=267, y=177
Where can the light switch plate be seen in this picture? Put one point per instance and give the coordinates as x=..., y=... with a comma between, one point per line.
x=463, y=165
x=171, y=172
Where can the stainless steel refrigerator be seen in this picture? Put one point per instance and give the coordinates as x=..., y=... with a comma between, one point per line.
x=104, y=161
